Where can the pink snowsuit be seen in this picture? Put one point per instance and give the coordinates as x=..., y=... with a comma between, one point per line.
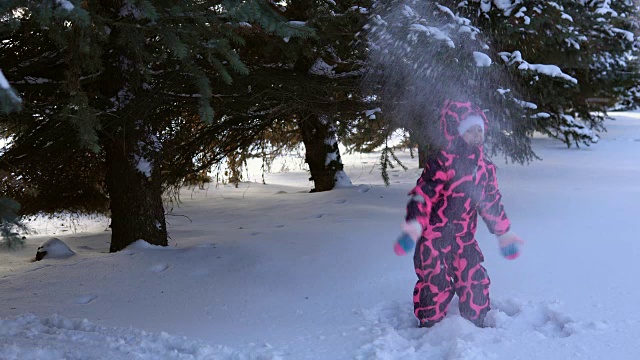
x=457, y=183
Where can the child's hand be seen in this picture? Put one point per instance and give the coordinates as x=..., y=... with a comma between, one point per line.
x=411, y=232
x=510, y=245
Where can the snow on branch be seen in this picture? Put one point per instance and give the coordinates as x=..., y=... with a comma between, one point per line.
x=566, y=17
x=297, y=23
x=65, y=4
x=605, y=8
x=408, y=11
x=459, y=20
x=573, y=43
x=419, y=25
x=121, y=100
x=525, y=104
x=506, y=6
x=549, y=70
x=481, y=59
x=555, y=5
x=4, y=83
x=563, y=15
x=6, y=88
x=33, y=81
x=464, y=23
x=434, y=32
x=360, y=9
x=371, y=114
x=131, y=9
x=573, y=126
x=628, y=35
x=542, y=115
x=520, y=14
x=320, y=67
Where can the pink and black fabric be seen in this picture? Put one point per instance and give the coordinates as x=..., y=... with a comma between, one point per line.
x=456, y=185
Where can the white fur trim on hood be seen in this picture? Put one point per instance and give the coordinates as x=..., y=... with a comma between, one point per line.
x=469, y=121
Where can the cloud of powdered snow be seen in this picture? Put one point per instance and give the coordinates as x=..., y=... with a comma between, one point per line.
x=422, y=53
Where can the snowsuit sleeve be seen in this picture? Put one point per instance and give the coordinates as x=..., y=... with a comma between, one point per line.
x=427, y=191
x=490, y=207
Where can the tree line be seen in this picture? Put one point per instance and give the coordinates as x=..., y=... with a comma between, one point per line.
x=109, y=105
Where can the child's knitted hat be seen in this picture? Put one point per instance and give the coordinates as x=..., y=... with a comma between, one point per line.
x=469, y=121
x=454, y=118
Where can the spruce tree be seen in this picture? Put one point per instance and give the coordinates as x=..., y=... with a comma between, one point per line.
x=107, y=85
x=575, y=60
x=304, y=90
x=554, y=67
x=9, y=208
x=423, y=53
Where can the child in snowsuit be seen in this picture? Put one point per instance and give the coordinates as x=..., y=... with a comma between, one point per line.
x=457, y=184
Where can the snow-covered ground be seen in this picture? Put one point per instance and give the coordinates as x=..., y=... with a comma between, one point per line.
x=273, y=272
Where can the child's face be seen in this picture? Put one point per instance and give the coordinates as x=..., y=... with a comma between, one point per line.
x=474, y=135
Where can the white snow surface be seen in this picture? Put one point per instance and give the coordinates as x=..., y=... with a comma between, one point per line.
x=274, y=272
x=342, y=180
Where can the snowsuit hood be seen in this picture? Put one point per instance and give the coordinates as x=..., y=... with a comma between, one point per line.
x=451, y=115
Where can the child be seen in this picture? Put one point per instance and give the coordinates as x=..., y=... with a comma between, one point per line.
x=457, y=184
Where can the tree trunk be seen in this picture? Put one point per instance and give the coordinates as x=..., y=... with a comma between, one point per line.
x=423, y=148
x=135, y=198
x=422, y=156
x=321, y=151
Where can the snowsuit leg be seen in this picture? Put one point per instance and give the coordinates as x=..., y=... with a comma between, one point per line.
x=471, y=283
x=434, y=289
x=441, y=274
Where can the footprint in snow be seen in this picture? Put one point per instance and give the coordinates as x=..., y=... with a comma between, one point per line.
x=280, y=226
x=363, y=189
x=85, y=299
x=254, y=233
x=541, y=317
x=159, y=268
x=319, y=216
x=341, y=201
